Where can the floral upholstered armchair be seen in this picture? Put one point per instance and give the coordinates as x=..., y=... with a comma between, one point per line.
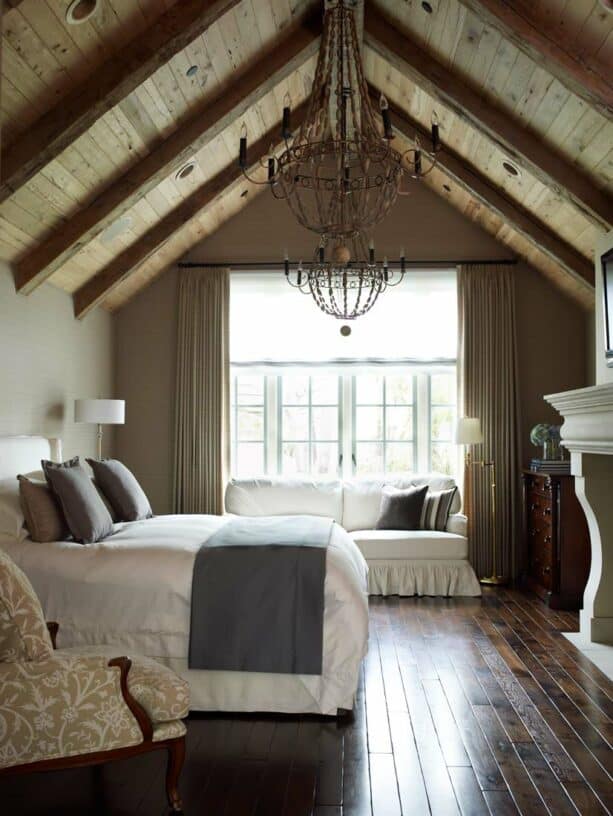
x=66, y=707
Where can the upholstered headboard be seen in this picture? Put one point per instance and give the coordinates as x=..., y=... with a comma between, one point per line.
x=22, y=454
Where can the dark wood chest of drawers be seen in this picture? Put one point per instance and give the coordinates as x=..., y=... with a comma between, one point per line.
x=557, y=543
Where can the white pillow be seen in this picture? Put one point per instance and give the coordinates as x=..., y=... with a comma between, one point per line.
x=11, y=514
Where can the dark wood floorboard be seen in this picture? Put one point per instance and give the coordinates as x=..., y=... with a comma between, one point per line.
x=466, y=707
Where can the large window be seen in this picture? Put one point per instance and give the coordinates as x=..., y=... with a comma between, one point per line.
x=306, y=400
x=336, y=422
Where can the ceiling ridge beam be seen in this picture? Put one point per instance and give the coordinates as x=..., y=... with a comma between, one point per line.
x=95, y=290
x=481, y=188
x=233, y=102
x=579, y=75
x=456, y=94
x=75, y=113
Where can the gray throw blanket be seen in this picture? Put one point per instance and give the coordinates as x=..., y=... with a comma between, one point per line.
x=258, y=596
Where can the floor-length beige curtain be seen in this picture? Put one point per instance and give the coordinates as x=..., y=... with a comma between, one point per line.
x=489, y=390
x=202, y=438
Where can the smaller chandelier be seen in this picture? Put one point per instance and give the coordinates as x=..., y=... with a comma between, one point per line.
x=342, y=287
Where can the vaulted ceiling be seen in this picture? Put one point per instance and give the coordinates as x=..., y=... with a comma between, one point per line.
x=100, y=119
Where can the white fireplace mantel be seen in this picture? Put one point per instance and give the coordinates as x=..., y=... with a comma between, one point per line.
x=587, y=433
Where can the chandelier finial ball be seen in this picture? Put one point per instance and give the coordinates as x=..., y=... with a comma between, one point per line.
x=341, y=255
x=345, y=331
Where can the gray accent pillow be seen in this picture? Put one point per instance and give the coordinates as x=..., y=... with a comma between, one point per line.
x=120, y=486
x=42, y=511
x=85, y=513
x=401, y=509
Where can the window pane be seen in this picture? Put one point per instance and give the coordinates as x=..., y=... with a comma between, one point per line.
x=325, y=458
x=295, y=389
x=399, y=422
x=295, y=458
x=250, y=424
x=249, y=458
x=369, y=389
x=369, y=423
x=324, y=389
x=249, y=389
x=324, y=424
x=399, y=390
x=443, y=457
x=369, y=457
x=442, y=422
x=398, y=457
x=443, y=389
x=296, y=424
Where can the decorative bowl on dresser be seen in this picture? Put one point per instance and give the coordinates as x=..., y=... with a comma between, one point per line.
x=556, y=539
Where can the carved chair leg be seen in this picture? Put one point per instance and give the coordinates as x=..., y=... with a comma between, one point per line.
x=176, y=756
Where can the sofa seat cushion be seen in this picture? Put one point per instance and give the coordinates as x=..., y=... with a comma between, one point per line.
x=410, y=545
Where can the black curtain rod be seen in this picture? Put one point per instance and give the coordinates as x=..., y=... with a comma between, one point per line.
x=391, y=264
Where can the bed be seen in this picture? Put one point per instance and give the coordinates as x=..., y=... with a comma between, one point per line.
x=132, y=591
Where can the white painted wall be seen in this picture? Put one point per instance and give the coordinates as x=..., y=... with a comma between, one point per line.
x=47, y=359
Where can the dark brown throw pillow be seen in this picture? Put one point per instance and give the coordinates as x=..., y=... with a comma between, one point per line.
x=42, y=511
x=120, y=486
x=401, y=509
x=87, y=517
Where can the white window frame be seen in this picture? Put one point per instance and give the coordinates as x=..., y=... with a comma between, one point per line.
x=347, y=466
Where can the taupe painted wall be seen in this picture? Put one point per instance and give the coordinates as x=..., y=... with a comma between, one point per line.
x=47, y=360
x=551, y=338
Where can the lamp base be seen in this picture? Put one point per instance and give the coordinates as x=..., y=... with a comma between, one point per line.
x=494, y=580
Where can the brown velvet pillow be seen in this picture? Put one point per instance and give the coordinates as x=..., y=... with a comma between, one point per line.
x=42, y=511
x=401, y=509
x=87, y=517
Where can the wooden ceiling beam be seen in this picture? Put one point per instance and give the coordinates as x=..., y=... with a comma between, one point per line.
x=94, y=292
x=493, y=198
x=559, y=58
x=528, y=150
x=248, y=88
x=110, y=84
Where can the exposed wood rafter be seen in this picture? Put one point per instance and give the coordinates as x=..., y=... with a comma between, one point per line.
x=101, y=285
x=559, y=58
x=251, y=86
x=494, y=199
x=113, y=81
x=525, y=148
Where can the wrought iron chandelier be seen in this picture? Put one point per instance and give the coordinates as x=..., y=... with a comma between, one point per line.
x=343, y=288
x=340, y=173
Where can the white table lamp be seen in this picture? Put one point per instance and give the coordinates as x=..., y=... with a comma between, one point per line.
x=100, y=412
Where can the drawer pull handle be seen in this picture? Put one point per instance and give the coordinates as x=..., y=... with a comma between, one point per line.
x=547, y=511
x=546, y=570
x=547, y=539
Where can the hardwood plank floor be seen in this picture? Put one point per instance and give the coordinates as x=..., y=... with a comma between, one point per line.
x=465, y=706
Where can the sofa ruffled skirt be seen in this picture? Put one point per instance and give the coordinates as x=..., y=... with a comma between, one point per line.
x=446, y=578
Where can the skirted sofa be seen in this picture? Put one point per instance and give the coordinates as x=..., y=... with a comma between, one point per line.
x=401, y=562
x=84, y=706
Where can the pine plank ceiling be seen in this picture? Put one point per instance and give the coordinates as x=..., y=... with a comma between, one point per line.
x=98, y=118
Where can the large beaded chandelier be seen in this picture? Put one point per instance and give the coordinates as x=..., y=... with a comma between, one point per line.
x=340, y=173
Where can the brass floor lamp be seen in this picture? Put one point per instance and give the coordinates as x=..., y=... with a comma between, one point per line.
x=468, y=433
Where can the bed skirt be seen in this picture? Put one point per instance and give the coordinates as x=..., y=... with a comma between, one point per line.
x=260, y=692
x=438, y=578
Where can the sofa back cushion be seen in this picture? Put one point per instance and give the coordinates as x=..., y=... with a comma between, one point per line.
x=23, y=631
x=285, y=497
x=362, y=497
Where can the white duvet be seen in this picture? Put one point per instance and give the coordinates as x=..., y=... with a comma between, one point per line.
x=133, y=591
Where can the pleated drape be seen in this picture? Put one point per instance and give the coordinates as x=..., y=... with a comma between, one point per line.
x=202, y=438
x=489, y=391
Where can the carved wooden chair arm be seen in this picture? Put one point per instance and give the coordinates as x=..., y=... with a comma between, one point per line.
x=142, y=718
x=52, y=627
